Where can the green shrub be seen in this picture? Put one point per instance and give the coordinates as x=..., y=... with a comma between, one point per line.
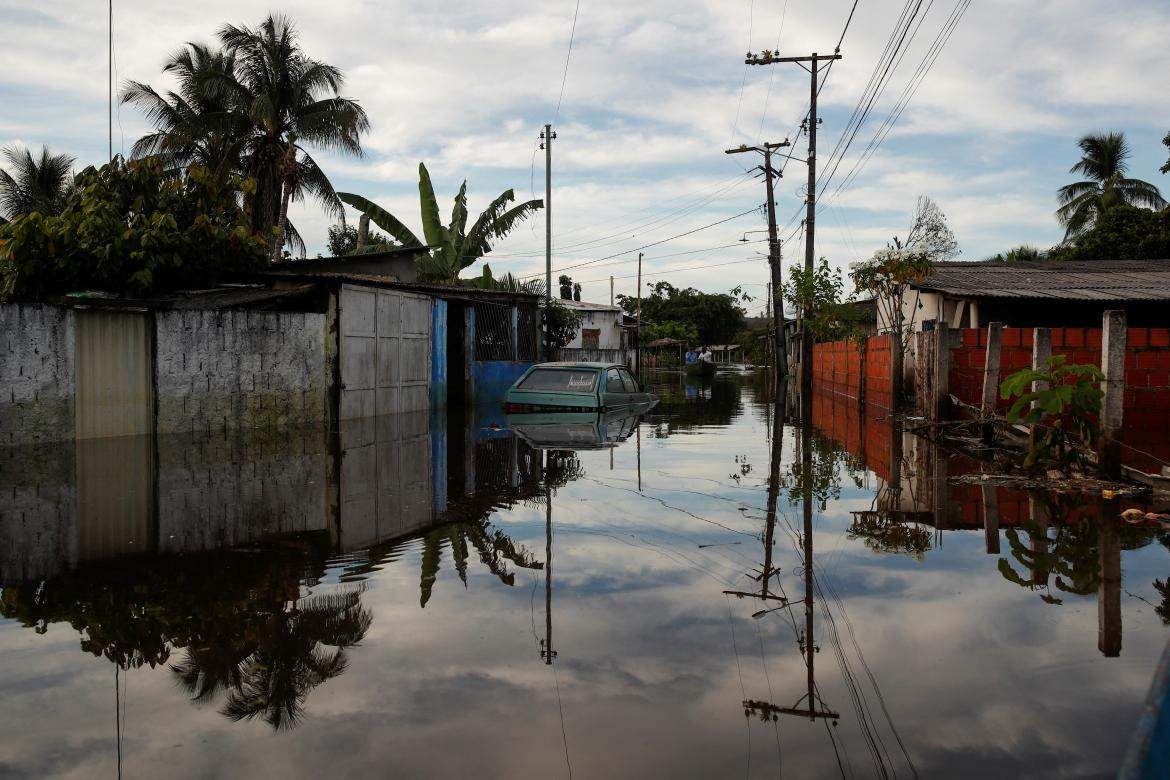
x=130, y=229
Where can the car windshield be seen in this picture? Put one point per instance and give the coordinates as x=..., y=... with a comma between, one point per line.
x=559, y=380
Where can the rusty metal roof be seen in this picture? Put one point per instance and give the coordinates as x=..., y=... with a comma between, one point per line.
x=1099, y=280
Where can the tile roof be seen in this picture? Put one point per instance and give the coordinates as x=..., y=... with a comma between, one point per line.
x=1100, y=280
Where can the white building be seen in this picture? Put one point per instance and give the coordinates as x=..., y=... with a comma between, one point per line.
x=601, y=335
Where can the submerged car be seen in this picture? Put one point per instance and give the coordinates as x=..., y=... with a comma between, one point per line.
x=575, y=387
x=577, y=430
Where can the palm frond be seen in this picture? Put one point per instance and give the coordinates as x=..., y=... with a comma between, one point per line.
x=382, y=219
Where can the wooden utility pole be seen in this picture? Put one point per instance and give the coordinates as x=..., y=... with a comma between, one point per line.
x=639, y=336
x=768, y=58
x=611, y=291
x=776, y=305
x=546, y=139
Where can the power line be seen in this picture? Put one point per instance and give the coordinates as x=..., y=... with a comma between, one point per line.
x=665, y=271
x=565, y=75
x=655, y=243
x=658, y=222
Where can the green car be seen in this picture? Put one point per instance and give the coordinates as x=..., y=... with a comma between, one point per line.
x=575, y=387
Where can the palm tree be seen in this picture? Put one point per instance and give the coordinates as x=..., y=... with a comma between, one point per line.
x=453, y=247
x=33, y=184
x=1103, y=161
x=493, y=545
x=194, y=125
x=253, y=108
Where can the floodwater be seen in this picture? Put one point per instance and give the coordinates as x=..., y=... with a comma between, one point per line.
x=427, y=597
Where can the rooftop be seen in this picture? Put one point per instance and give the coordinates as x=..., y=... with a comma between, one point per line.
x=588, y=306
x=1100, y=280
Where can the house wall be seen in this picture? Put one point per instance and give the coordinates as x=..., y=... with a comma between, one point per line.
x=37, y=373
x=230, y=370
x=608, y=322
x=1146, y=400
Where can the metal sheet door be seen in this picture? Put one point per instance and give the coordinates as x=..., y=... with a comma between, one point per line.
x=385, y=352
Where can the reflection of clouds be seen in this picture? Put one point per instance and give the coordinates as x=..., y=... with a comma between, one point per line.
x=980, y=677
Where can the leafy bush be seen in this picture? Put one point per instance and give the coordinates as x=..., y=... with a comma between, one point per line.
x=1122, y=232
x=561, y=323
x=128, y=228
x=1067, y=409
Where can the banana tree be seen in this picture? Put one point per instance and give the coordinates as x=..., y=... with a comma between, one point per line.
x=453, y=247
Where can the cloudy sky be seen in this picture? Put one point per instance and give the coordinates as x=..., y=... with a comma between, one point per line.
x=655, y=91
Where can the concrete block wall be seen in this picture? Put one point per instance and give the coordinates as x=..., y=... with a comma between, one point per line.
x=37, y=374
x=234, y=370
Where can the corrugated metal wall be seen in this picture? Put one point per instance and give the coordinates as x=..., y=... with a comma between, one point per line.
x=115, y=387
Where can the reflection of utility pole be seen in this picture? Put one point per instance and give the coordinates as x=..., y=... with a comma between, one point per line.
x=546, y=646
x=639, y=435
x=766, y=574
x=776, y=307
x=808, y=644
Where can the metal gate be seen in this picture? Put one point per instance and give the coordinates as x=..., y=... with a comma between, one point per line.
x=385, y=352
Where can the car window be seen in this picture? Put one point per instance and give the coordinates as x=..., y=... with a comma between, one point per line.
x=631, y=383
x=559, y=380
x=613, y=382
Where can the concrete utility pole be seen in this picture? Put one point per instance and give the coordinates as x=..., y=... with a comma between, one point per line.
x=639, y=337
x=110, y=118
x=611, y=291
x=776, y=307
x=768, y=58
x=546, y=139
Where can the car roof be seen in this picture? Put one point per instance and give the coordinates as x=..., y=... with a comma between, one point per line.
x=572, y=364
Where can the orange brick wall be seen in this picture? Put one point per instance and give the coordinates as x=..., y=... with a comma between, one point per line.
x=837, y=369
x=1147, y=378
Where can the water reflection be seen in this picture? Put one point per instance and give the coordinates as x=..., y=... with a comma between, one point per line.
x=819, y=571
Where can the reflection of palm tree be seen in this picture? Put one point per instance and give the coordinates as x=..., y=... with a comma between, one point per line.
x=493, y=545
x=292, y=652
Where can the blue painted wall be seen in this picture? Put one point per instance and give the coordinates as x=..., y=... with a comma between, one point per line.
x=439, y=461
x=439, y=354
x=493, y=378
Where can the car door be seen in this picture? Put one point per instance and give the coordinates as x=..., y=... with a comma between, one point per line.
x=634, y=390
x=616, y=394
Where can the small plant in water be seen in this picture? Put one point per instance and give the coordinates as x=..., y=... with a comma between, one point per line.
x=1066, y=409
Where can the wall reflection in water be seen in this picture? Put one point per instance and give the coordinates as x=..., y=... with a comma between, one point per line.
x=204, y=553
x=1058, y=544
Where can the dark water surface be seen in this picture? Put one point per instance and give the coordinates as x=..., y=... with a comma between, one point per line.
x=380, y=603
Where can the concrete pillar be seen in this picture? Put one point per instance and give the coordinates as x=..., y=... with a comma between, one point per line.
x=1041, y=351
x=1039, y=533
x=991, y=377
x=1112, y=404
x=942, y=373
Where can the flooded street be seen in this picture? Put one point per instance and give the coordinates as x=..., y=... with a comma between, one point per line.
x=427, y=597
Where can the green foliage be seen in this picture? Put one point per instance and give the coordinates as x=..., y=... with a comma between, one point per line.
x=884, y=534
x=561, y=324
x=685, y=332
x=506, y=283
x=453, y=246
x=1166, y=141
x=343, y=240
x=716, y=317
x=1022, y=253
x=569, y=290
x=1122, y=233
x=818, y=296
x=130, y=228
x=1103, y=163
x=1067, y=408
